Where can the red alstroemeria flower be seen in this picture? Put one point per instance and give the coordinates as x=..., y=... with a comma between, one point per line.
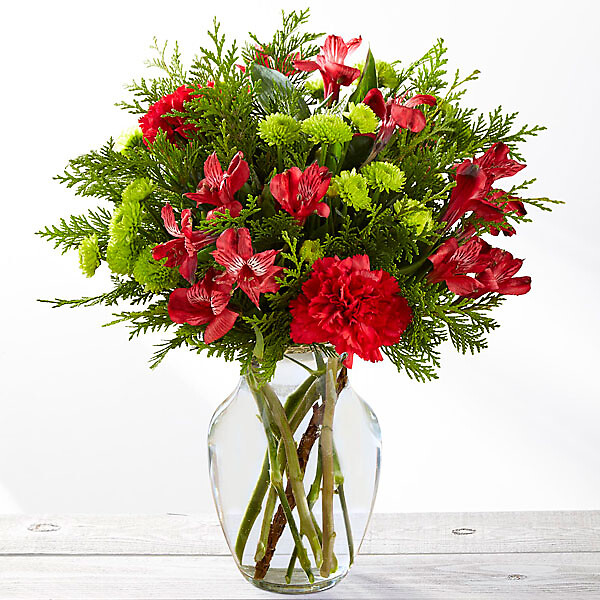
x=254, y=273
x=508, y=205
x=346, y=304
x=183, y=250
x=204, y=303
x=300, y=192
x=493, y=269
x=262, y=57
x=452, y=263
x=396, y=112
x=218, y=188
x=474, y=180
x=499, y=276
x=155, y=120
x=330, y=62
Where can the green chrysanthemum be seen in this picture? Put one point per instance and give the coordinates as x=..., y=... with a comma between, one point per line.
x=352, y=189
x=363, y=118
x=89, y=255
x=384, y=176
x=311, y=250
x=153, y=274
x=128, y=139
x=386, y=74
x=315, y=88
x=279, y=130
x=327, y=129
x=138, y=190
x=416, y=215
x=124, y=242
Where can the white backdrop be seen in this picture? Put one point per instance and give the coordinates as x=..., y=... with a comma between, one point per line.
x=86, y=427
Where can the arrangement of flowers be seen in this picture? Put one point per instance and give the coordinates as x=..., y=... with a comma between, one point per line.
x=281, y=195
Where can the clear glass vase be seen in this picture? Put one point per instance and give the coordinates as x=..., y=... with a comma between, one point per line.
x=306, y=439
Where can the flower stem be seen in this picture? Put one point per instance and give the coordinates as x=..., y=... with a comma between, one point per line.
x=294, y=471
x=347, y=524
x=295, y=406
x=261, y=547
x=328, y=467
x=312, y=496
x=276, y=478
x=301, y=405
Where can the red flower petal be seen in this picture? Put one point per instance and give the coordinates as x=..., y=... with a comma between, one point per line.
x=408, y=118
x=419, y=100
x=168, y=217
x=219, y=326
x=374, y=100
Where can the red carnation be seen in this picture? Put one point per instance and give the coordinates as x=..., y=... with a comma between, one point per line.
x=473, y=191
x=348, y=305
x=157, y=118
x=254, y=273
x=183, y=250
x=330, y=62
x=300, y=192
x=204, y=303
x=218, y=188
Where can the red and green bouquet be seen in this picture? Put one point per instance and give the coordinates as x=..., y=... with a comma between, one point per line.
x=279, y=196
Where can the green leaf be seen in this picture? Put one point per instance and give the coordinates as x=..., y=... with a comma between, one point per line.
x=359, y=148
x=368, y=80
x=259, y=347
x=275, y=87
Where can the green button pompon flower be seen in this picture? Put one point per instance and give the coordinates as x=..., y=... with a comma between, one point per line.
x=384, y=176
x=89, y=255
x=152, y=274
x=124, y=241
x=363, y=118
x=352, y=189
x=386, y=75
x=327, y=129
x=279, y=130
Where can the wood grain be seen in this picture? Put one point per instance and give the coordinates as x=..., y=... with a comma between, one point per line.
x=429, y=556
x=415, y=533
x=519, y=576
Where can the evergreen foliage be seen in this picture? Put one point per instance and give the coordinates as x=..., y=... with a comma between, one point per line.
x=388, y=205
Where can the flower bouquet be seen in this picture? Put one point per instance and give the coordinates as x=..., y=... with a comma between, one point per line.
x=278, y=206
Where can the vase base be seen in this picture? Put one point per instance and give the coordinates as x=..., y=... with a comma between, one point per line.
x=276, y=582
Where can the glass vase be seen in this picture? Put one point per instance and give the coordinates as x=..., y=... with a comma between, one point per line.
x=294, y=467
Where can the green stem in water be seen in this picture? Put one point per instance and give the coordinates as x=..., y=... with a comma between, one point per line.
x=301, y=409
x=294, y=471
x=312, y=496
x=261, y=547
x=347, y=524
x=338, y=478
x=328, y=467
x=276, y=479
x=294, y=405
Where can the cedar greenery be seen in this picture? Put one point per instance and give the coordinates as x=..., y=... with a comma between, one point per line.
x=395, y=222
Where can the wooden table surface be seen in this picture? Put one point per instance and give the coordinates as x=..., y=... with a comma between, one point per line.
x=429, y=556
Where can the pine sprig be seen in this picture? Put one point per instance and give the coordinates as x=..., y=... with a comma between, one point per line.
x=287, y=43
x=129, y=291
x=153, y=318
x=68, y=234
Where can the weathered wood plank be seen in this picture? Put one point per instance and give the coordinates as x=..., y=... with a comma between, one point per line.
x=412, y=577
x=417, y=533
